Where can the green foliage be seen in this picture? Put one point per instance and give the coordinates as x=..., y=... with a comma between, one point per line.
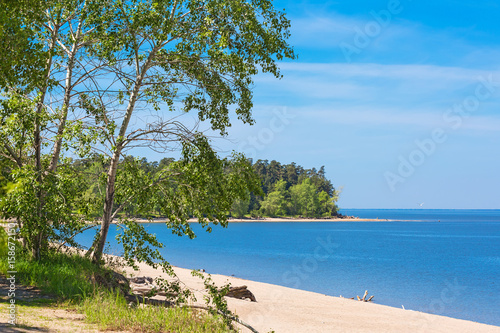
x=276, y=203
x=200, y=185
x=63, y=275
x=3, y=244
x=112, y=312
x=239, y=207
x=304, y=199
x=327, y=204
x=147, y=189
x=38, y=76
x=92, y=177
x=21, y=62
x=62, y=191
x=215, y=298
x=138, y=244
x=200, y=44
x=293, y=174
x=292, y=190
x=17, y=120
x=201, y=56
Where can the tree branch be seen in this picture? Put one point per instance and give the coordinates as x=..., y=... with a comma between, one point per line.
x=13, y=155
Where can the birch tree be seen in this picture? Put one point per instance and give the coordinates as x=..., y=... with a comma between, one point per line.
x=85, y=76
x=173, y=55
x=44, y=68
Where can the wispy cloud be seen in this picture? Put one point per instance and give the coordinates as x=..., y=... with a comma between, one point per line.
x=389, y=71
x=427, y=89
x=399, y=41
x=394, y=118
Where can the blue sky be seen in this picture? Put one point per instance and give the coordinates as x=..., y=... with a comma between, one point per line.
x=400, y=100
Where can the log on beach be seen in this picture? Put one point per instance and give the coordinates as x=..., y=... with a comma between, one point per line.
x=144, y=286
x=241, y=293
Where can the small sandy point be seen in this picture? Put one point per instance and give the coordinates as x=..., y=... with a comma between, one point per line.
x=274, y=219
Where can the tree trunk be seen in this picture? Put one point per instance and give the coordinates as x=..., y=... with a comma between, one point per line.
x=110, y=185
x=35, y=251
x=120, y=144
x=38, y=232
x=108, y=207
x=56, y=151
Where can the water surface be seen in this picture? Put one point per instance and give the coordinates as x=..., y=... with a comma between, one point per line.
x=445, y=262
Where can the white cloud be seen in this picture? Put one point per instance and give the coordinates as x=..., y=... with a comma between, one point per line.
x=322, y=31
x=395, y=118
x=400, y=41
x=420, y=89
x=373, y=70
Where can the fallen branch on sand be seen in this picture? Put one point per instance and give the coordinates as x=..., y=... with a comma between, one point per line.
x=241, y=293
x=363, y=299
x=144, y=286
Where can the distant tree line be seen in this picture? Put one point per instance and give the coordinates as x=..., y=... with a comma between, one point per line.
x=287, y=189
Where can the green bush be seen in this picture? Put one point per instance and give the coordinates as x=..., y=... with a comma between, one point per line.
x=3, y=243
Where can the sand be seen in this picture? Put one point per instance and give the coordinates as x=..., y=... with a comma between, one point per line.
x=287, y=310
x=276, y=219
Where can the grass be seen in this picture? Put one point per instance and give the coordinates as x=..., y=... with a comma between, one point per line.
x=67, y=276
x=63, y=275
x=110, y=311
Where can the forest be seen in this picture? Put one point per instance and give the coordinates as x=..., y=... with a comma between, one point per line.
x=285, y=189
x=289, y=190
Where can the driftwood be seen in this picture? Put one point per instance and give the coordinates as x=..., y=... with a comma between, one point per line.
x=362, y=299
x=144, y=286
x=141, y=280
x=241, y=293
x=149, y=291
x=142, y=300
x=111, y=280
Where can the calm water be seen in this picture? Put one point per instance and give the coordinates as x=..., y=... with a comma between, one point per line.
x=450, y=267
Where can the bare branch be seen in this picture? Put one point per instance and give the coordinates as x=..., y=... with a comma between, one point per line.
x=174, y=7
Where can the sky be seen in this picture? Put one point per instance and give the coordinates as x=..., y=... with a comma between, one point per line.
x=399, y=100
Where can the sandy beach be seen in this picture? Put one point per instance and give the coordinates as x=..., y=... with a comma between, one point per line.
x=273, y=219
x=287, y=310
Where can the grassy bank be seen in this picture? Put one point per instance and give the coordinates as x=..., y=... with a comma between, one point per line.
x=70, y=280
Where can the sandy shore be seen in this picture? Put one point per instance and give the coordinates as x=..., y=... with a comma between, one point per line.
x=287, y=310
x=277, y=219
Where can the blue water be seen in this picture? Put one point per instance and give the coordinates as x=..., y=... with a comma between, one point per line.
x=450, y=267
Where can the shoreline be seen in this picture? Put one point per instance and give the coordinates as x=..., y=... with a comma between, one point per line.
x=288, y=310
x=278, y=219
